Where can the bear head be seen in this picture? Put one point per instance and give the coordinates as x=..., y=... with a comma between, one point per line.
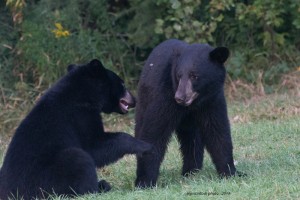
x=198, y=73
x=98, y=87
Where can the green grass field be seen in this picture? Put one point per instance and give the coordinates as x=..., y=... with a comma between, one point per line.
x=266, y=137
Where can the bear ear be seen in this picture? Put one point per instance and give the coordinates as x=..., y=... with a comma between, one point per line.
x=96, y=63
x=96, y=67
x=71, y=67
x=219, y=54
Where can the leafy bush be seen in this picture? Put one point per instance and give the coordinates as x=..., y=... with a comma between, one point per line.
x=261, y=34
x=47, y=35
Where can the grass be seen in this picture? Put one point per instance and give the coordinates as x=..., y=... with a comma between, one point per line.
x=266, y=133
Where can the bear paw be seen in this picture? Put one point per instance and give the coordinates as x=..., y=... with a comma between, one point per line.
x=104, y=186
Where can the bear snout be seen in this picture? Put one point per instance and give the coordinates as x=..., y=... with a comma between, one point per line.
x=185, y=95
x=186, y=101
x=127, y=102
x=179, y=99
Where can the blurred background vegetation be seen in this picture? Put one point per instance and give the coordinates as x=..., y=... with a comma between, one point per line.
x=39, y=38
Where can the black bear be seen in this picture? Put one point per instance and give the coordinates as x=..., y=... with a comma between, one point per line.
x=181, y=90
x=58, y=146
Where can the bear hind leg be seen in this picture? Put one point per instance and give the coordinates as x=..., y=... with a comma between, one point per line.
x=73, y=173
x=156, y=128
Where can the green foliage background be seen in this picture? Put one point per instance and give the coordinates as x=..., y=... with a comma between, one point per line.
x=263, y=35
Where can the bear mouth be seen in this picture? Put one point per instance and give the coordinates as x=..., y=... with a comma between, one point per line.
x=191, y=99
x=124, y=106
x=126, y=103
x=187, y=101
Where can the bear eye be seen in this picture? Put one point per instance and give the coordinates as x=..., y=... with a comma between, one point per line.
x=193, y=76
x=179, y=76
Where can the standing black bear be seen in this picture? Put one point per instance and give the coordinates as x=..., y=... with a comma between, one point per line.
x=181, y=89
x=60, y=143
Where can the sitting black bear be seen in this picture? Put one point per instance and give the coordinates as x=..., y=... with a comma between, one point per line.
x=58, y=146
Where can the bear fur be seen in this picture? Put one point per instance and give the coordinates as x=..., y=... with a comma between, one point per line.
x=58, y=146
x=181, y=90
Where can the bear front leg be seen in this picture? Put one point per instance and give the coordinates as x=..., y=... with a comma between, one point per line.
x=220, y=150
x=191, y=145
x=113, y=146
x=217, y=138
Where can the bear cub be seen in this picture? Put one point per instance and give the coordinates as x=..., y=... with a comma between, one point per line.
x=58, y=146
x=181, y=90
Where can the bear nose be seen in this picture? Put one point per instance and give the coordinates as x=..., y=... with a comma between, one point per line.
x=179, y=100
